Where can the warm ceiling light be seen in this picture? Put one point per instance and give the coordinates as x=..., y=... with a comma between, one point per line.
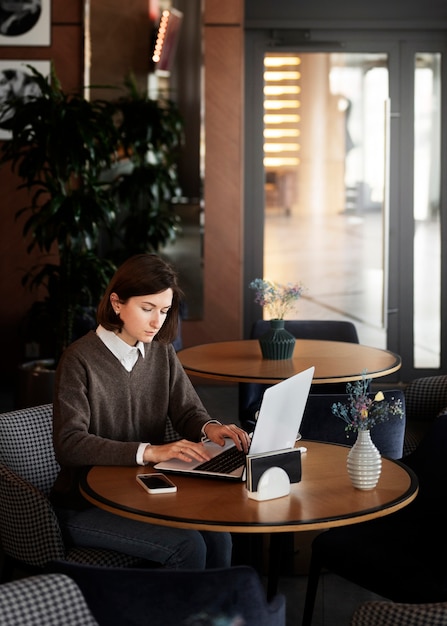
x=280, y=61
x=163, y=27
x=276, y=162
x=274, y=77
x=281, y=147
x=277, y=133
x=282, y=104
x=278, y=90
x=281, y=118
x=167, y=39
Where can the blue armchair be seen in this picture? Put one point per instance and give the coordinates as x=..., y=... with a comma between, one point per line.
x=171, y=597
x=320, y=424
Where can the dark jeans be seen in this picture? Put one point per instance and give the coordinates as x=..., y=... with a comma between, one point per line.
x=174, y=548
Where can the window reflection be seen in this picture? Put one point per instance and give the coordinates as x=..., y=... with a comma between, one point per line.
x=426, y=210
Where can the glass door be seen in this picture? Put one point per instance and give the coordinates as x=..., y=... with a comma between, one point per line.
x=345, y=142
x=325, y=194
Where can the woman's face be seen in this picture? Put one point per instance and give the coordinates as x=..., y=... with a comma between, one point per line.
x=142, y=316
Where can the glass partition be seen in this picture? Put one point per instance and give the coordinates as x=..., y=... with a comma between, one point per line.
x=324, y=161
x=426, y=210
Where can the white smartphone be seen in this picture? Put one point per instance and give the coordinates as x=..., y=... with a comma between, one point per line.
x=156, y=483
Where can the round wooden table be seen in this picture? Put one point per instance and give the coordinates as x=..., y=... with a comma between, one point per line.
x=324, y=498
x=334, y=361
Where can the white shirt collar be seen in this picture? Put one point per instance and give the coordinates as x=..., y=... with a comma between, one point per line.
x=126, y=355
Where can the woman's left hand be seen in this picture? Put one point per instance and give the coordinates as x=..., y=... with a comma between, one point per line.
x=219, y=432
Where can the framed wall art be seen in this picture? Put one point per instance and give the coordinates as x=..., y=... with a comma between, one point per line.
x=25, y=22
x=17, y=80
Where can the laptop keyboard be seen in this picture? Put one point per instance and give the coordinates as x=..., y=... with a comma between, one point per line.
x=224, y=463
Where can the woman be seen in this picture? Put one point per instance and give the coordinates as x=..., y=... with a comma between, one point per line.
x=115, y=389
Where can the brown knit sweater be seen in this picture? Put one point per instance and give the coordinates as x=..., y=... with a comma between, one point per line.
x=102, y=412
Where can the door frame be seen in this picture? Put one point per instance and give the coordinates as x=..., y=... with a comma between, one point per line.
x=400, y=47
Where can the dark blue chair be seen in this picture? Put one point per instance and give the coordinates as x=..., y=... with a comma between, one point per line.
x=250, y=394
x=401, y=557
x=163, y=597
x=320, y=424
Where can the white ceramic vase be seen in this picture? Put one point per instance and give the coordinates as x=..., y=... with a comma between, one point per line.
x=364, y=462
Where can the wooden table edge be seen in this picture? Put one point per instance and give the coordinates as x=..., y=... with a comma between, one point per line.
x=232, y=378
x=239, y=378
x=173, y=522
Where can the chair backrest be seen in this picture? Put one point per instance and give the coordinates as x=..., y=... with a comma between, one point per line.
x=426, y=397
x=26, y=445
x=320, y=424
x=382, y=613
x=44, y=599
x=325, y=330
x=233, y=595
x=250, y=394
x=170, y=433
x=29, y=528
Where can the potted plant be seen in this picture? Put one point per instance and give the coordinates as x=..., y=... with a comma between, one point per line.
x=151, y=136
x=59, y=145
x=62, y=145
x=277, y=343
x=361, y=412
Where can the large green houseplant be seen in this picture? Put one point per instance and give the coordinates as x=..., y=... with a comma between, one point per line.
x=151, y=136
x=82, y=221
x=59, y=145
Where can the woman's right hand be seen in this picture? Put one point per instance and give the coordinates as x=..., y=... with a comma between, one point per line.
x=184, y=450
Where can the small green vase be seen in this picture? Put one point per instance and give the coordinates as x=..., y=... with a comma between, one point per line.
x=277, y=343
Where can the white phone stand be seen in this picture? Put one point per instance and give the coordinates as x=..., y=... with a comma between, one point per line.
x=274, y=483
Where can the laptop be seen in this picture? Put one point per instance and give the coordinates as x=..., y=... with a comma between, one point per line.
x=277, y=428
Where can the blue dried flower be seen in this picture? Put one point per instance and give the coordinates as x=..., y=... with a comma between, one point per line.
x=363, y=410
x=276, y=298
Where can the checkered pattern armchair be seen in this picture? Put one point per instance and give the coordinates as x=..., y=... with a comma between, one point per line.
x=170, y=433
x=384, y=613
x=50, y=599
x=29, y=529
x=425, y=399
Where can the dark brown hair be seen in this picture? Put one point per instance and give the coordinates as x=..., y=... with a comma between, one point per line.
x=142, y=275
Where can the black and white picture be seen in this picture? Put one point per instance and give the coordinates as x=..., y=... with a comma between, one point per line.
x=17, y=81
x=25, y=22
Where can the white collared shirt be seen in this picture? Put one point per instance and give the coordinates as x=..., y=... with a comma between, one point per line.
x=127, y=356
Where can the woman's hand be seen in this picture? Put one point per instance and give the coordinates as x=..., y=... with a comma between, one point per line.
x=188, y=450
x=184, y=450
x=219, y=432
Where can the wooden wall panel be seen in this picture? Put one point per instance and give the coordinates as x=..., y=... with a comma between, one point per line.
x=120, y=44
x=218, y=12
x=67, y=12
x=68, y=56
x=223, y=254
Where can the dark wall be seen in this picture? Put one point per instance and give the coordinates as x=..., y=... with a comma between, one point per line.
x=289, y=10
x=186, y=82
